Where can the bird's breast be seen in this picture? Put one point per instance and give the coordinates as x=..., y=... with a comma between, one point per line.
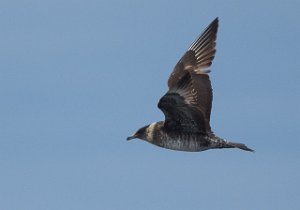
x=182, y=141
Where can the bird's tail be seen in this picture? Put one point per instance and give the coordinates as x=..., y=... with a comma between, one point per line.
x=222, y=143
x=238, y=145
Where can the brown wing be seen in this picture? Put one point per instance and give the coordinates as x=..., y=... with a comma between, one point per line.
x=196, y=62
x=180, y=107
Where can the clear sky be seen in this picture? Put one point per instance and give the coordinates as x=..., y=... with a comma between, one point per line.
x=78, y=77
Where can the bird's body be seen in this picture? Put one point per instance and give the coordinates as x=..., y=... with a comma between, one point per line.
x=176, y=140
x=187, y=104
x=157, y=134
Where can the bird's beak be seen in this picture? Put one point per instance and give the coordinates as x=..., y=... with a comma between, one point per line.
x=131, y=137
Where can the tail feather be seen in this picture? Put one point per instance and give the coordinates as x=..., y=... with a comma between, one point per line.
x=239, y=145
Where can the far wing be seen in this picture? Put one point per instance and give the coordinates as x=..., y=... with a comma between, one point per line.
x=199, y=56
x=196, y=62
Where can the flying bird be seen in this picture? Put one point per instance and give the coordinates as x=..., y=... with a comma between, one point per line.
x=187, y=104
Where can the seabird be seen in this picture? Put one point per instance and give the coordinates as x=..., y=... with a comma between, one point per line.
x=187, y=104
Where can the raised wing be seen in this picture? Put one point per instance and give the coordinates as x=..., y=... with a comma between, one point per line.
x=199, y=56
x=196, y=62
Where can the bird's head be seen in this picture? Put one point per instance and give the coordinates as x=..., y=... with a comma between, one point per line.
x=147, y=132
x=141, y=133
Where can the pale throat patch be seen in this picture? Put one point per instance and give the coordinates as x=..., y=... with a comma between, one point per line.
x=150, y=131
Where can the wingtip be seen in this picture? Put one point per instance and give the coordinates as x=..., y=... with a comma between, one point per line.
x=215, y=22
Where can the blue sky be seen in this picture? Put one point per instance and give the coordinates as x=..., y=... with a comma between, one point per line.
x=78, y=77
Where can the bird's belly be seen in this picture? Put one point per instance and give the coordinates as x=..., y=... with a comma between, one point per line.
x=190, y=143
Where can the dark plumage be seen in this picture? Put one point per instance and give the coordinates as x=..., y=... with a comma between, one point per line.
x=187, y=104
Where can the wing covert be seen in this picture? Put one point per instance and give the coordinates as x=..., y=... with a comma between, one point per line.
x=180, y=107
